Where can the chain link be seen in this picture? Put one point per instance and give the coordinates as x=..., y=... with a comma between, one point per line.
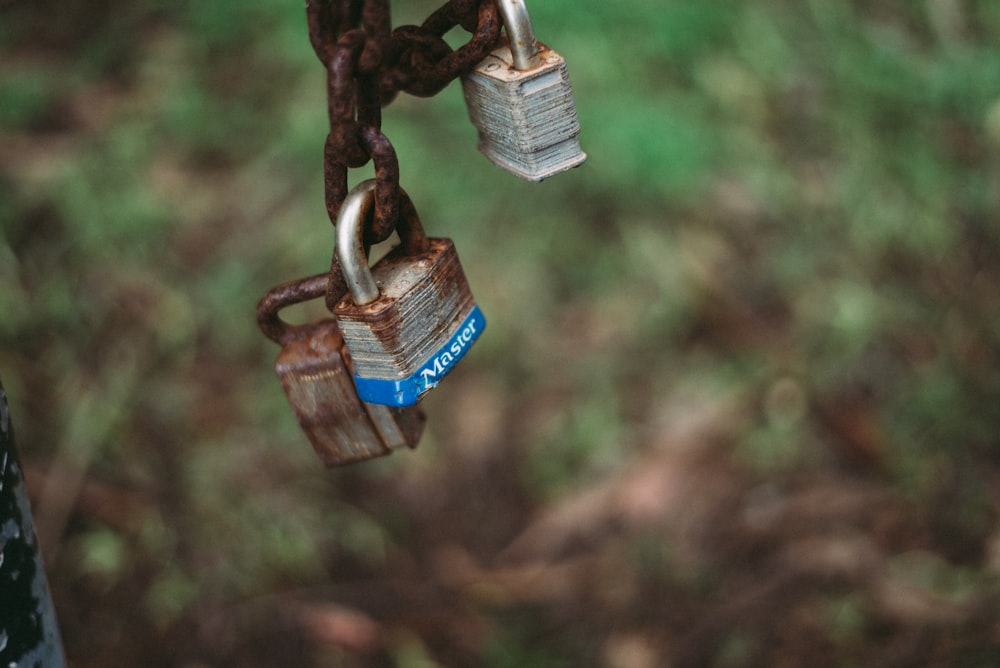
x=368, y=64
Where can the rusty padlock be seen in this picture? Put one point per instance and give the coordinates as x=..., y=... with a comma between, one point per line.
x=520, y=100
x=409, y=319
x=316, y=373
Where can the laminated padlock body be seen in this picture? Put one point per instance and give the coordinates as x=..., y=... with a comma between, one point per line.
x=315, y=370
x=409, y=319
x=422, y=323
x=526, y=119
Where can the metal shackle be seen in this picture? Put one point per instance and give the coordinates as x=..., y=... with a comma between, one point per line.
x=286, y=294
x=520, y=34
x=355, y=210
x=350, y=243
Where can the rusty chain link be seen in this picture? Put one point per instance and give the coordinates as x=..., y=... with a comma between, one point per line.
x=421, y=61
x=368, y=64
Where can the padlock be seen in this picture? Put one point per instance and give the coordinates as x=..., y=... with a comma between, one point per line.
x=409, y=319
x=315, y=370
x=520, y=100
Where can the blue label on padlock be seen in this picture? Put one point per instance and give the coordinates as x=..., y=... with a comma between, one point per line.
x=406, y=391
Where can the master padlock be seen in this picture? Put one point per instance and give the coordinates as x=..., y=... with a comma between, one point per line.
x=520, y=100
x=409, y=319
x=316, y=373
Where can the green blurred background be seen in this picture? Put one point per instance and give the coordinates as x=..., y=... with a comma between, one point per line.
x=738, y=403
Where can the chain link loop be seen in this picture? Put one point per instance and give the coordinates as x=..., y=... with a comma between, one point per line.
x=368, y=63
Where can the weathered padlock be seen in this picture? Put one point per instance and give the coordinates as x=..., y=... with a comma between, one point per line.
x=316, y=373
x=520, y=100
x=409, y=319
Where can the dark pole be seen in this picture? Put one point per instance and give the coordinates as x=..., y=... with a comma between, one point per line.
x=29, y=636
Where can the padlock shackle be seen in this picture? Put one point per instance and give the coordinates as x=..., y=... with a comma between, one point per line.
x=520, y=34
x=354, y=211
x=350, y=243
x=287, y=294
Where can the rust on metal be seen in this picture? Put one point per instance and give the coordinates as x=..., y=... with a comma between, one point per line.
x=317, y=376
x=367, y=64
x=286, y=294
x=420, y=297
x=378, y=26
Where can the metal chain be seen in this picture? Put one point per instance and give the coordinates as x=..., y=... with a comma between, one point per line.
x=422, y=63
x=368, y=64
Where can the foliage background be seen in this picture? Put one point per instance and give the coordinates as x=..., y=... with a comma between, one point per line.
x=737, y=404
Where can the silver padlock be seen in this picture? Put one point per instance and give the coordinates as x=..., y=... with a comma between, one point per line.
x=315, y=371
x=520, y=100
x=409, y=319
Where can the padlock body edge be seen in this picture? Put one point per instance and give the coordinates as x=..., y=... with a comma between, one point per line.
x=408, y=391
x=526, y=119
x=320, y=389
x=422, y=299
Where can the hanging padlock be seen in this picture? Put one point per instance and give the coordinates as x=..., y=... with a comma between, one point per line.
x=316, y=373
x=520, y=100
x=409, y=319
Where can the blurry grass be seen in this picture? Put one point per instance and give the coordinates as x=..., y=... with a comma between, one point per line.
x=828, y=169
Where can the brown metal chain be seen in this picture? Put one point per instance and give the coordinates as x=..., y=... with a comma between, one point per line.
x=422, y=63
x=368, y=64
